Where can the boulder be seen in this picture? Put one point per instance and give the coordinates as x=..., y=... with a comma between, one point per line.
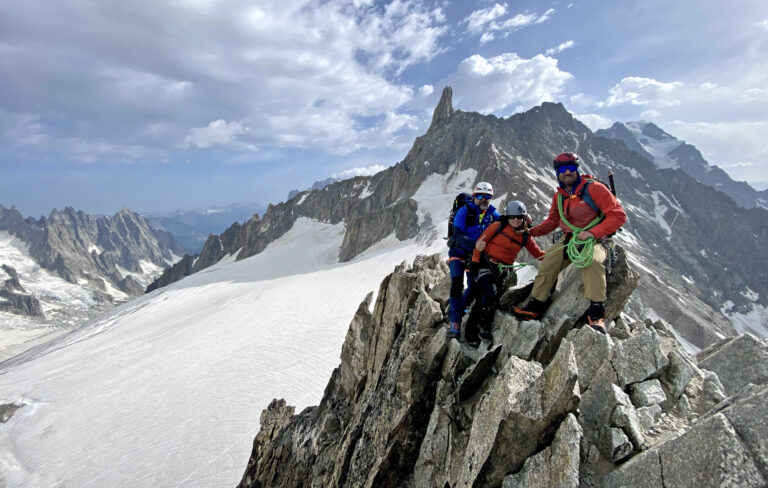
x=639, y=358
x=737, y=361
x=708, y=455
x=557, y=466
x=648, y=393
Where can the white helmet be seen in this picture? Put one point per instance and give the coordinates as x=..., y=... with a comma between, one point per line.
x=483, y=187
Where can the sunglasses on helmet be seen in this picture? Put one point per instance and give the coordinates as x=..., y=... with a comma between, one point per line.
x=483, y=196
x=567, y=167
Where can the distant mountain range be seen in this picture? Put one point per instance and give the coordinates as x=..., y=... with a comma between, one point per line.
x=701, y=256
x=190, y=228
x=648, y=140
x=55, y=272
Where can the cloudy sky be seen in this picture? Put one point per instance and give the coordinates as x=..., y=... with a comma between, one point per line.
x=165, y=104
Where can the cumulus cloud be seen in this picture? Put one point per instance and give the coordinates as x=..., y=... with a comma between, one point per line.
x=507, y=80
x=560, y=48
x=644, y=91
x=486, y=21
x=218, y=132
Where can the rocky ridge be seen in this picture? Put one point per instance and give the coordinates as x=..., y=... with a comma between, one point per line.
x=100, y=254
x=544, y=404
x=679, y=234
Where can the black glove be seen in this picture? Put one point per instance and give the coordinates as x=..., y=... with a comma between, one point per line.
x=474, y=268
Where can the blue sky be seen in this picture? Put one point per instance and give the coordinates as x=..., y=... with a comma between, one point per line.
x=158, y=105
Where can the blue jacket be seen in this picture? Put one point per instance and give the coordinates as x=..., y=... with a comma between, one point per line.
x=466, y=233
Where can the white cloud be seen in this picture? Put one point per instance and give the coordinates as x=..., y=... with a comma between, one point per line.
x=360, y=171
x=478, y=19
x=487, y=37
x=560, y=48
x=218, y=132
x=488, y=20
x=730, y=141
x=763, y=25
x=545, y=16
x=517, y=22
x=580, y=101
x=741, y=164
x=21, y=129
x=594, y=121
x=677, y=100
x=645, y=91
x=650, y=114
x=426, y=90
x=492, y=84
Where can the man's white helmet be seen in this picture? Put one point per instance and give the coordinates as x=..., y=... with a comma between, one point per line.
x=483, y=187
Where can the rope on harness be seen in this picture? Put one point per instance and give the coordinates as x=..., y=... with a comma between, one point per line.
x=579, y=252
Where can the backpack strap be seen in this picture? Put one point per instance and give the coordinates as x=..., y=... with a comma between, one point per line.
x=471, y=215
x=584, y=195
x=503, y=223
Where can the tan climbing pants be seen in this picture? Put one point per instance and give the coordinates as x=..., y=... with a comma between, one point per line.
x=557, y=260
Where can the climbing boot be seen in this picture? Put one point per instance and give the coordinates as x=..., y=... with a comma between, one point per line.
x=532, y=311
x=596, y=317
x=454, y=331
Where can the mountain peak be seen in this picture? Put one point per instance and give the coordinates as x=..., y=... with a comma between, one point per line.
x=649, y=129
x=444, y=108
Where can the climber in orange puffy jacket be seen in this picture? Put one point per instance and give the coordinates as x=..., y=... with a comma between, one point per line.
x=498, y=245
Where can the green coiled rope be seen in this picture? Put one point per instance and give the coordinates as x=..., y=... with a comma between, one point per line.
x=579, y=252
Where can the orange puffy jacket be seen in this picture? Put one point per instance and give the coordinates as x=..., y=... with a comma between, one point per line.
x=505, y=246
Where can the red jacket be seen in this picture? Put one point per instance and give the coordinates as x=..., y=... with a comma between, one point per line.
x=505, y=246
x=579, y=213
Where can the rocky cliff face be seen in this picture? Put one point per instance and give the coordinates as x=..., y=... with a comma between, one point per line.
x=686, y=240
x=544, y=404
x=113, y=257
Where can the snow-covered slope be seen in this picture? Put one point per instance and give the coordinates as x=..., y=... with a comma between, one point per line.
x=167, y=390
x=656, y=142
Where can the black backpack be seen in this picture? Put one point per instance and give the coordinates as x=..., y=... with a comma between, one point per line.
x=461, y=200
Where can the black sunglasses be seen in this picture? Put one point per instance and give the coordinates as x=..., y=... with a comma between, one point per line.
x=483, y=196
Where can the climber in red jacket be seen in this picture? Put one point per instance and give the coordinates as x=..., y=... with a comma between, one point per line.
x=587, y=208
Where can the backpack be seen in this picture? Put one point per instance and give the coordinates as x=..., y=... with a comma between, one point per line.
x=461, y=200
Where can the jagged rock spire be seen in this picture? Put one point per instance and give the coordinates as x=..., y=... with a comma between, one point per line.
x=444, y=108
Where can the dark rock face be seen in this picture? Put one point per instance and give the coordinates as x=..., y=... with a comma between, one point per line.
x=14, y=298
x=545, y=405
